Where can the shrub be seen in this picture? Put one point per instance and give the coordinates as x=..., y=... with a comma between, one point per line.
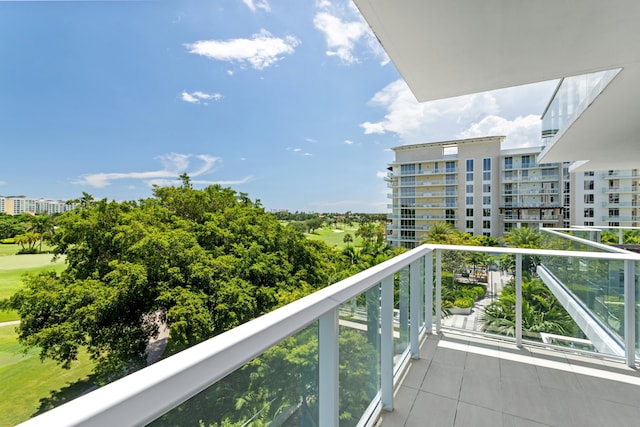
x=8, y=241
x=463, y=302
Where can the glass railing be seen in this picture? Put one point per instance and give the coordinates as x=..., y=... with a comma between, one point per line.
x=572, y=97
x=598, y=285
x=332, y=358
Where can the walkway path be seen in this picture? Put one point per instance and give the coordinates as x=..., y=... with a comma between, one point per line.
x=471, y=322
x=13, y=322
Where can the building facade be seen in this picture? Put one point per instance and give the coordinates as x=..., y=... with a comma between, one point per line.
x=16, y=205
x=482, y=189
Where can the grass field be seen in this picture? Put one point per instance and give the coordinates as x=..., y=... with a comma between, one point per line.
x=30, y=386
x=13, y=249
x=335, y=237
x=13, y=267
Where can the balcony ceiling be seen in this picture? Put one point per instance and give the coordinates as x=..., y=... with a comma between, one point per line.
x=450, y=48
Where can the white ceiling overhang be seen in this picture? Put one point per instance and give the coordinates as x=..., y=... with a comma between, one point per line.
x=445, y=48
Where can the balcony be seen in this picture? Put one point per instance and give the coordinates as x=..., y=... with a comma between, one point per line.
x=354, y=341
x=532, y=218
x=633, y=189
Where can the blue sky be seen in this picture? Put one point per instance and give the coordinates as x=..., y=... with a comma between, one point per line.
x=292, y=102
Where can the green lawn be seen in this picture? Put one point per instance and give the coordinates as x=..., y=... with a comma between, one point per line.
x=30, y=386
x=13, y=249
x=335, y=236
x=14, y=266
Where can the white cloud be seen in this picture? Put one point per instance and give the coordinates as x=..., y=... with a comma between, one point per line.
x=521, y=132
x=460, y=117
x=197, y=96
x=260, y=51
x=381, y=174
x=348, y=142
x=311, y=140
x=173, y=165
x=345, y=30
x=230, y=72
x=295, y=150
x=257, y=4
x=308, y=154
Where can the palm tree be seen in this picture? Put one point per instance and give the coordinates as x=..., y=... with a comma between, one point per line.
x=439, y=232
x=348, y=238
x=524, y=237
x=42, y=225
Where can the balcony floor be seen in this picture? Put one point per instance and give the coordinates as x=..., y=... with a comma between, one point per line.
x=468, y=381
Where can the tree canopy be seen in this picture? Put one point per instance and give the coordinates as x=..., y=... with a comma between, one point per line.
x=201, y=261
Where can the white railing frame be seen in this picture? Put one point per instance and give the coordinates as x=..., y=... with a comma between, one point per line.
x=147, y=394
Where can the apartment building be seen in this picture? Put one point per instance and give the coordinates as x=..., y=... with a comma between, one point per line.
x=482, y=189
x=474, y=185
x=15, y=205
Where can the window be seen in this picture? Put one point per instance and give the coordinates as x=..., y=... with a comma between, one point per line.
x=524, y=174
x=614, y=224
x=486, y=176
x=508, y=175
x=614, y=198
x=470, y=188
x=508, y=201
x=508, y=226
x=588, y=213
x=450, y=166
x=469, y=165
x=588, y=185
x=486, y=224
x=469, y=212
x=450, y=179
x=508, y=162
x=588, y=223
x=486, y=212
x=469, y=176
x=469, y=200
x=588, y=173
x=450, y=214
x=450, y=202
x=486, y=200
x=567, y=187
x=614, y=183
x=486, y=164
x=469, y=223
x=407, y=169
x=436, y=167
x=407, y=180
x=486, y=188
x=525, y=161
x=508, y=188
x=588, y=199
x=614, y=212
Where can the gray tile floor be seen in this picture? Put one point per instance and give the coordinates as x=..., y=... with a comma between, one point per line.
x=465, y=381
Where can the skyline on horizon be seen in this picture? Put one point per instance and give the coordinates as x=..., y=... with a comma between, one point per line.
x=296, y=105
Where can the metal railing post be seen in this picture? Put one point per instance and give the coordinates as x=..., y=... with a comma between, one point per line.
x=414, y=308
x=629, y=312
x=438, y=289
x=328, y=368
x=428, y=293
x=519, y=300
x=386, y=344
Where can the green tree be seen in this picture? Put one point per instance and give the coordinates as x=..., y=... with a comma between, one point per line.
x=199, y=261
x=348, y=238
x=43, y=226
x=541, y=312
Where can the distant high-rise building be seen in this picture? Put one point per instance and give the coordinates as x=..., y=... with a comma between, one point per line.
x=15, y=205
